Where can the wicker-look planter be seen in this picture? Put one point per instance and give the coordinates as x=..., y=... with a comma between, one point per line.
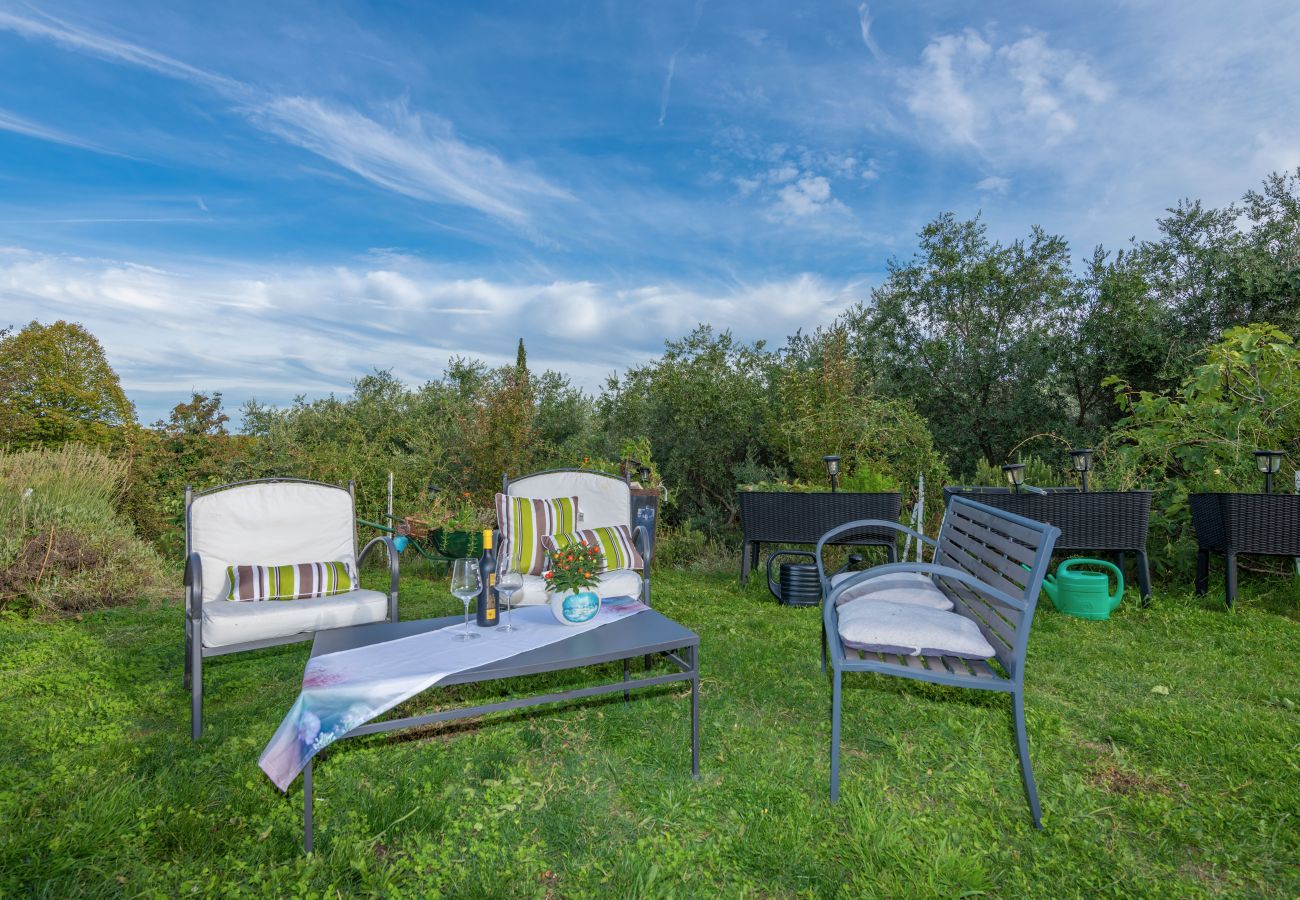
x=1106, y=521
x=1262, y=524
x=779, y=517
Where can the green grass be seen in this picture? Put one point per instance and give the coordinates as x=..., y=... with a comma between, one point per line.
x=1166, y=744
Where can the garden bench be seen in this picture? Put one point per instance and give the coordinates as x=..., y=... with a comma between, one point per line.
x=990, y=564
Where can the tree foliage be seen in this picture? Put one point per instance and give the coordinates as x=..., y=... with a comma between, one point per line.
x=970, y=332
x=56, y=387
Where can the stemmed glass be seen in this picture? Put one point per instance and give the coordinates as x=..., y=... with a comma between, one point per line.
x=509, y=583
x=465, y=584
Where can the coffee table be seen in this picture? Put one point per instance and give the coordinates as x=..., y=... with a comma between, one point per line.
x=643, y=634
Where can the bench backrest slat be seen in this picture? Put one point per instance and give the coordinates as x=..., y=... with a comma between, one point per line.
x=1003, y=551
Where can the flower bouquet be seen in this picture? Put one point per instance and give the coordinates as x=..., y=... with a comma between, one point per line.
x=574, y=569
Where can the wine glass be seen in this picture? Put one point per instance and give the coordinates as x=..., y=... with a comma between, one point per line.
x=509, y=583
x=465, y=584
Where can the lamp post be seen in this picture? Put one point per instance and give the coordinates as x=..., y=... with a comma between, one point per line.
x=1268, y=462
x=1082, y=460
x=833, y=470
x=1015, y=473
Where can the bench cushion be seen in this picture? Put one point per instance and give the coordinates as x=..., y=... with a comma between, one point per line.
x=910, y=630
x=902, y=587
x=614, y=583
x=226, y=623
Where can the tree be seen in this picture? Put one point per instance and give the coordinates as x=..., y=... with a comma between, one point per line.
x=58, y=388
x=702, y=404
x=970, y=332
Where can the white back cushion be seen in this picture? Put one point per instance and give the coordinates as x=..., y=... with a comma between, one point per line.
x=273, y=524
x=602, y=500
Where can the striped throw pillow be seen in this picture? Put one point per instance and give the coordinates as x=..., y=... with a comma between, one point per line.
x=614, y=541
x=524, y=521
x=297, y=581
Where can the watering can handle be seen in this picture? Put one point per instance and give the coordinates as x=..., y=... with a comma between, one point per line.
x=772, y=584
x=1119, y=580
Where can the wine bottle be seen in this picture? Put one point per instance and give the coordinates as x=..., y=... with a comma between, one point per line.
x=487, y=595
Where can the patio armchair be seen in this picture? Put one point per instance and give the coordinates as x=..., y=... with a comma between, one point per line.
x=603, y=499
x=269, y=522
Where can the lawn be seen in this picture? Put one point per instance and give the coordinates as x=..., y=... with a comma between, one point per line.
x=1166, y=744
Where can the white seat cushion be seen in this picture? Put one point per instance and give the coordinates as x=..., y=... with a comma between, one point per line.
x=614, y=583
x=226, y=623
x=902, y=587
x=907, y=629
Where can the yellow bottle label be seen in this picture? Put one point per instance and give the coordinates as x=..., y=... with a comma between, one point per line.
x=491, y=613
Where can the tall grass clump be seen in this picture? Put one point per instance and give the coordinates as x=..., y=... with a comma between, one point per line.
x=64, y=545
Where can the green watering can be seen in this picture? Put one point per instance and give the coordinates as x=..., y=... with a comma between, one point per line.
x=1084, y=594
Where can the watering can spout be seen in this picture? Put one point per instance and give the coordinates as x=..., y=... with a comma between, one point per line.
x=1049, y=586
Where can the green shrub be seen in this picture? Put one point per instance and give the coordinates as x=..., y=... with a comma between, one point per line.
x=1038, y=472
x=65, y=545
x=1245, y=396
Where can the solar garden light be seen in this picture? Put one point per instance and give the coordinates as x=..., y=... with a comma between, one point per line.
x=1268, y=462
x=644, y=471
x=1082, y=461
x=833, y=470
x=1015, y=473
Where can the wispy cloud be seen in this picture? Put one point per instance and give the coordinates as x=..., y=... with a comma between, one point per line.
x=864, y=25
x=417, y=155
x=18, y=125
x=666, y=93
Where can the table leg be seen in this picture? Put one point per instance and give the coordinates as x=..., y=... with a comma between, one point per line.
x=695, y=712
x=1230, y=579
x=1144, y=577
x=1202, y=571
x=306, y=809
x=627, y=676
x=744, y=564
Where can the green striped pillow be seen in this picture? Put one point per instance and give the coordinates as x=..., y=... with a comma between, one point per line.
x=524, y=521
x=297, y=581
x=614, y=541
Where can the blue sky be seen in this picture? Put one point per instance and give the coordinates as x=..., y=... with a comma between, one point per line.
x=271, y=199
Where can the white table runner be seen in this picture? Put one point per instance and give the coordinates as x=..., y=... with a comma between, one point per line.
x=343, y=690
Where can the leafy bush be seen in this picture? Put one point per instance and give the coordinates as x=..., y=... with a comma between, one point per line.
x=1245, y=396
x=65, y=545
x=1038, y=472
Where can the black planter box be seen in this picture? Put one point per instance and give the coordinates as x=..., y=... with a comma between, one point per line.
x=1261, y=524
x=780, y=517
x=1105, y=521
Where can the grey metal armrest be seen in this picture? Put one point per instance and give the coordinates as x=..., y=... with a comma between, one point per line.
x=194, y=581
x=857, y=526
x=641, y=538
x=927, y=569
x=393, y=569
x=393, y=556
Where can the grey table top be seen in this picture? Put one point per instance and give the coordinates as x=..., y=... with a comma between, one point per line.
x=644, y=633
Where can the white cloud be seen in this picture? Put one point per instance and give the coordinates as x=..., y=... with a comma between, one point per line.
x=805, y=197
x=975, y=93
x=864, y=26
x=274, y=334
x=19, y=125
x=418, y=155
x=995, y=184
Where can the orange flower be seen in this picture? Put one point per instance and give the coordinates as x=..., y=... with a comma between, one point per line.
x=548, y=574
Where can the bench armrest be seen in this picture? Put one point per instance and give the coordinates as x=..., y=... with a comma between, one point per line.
x=927, y=569
x=857, y=526
x=194, y=586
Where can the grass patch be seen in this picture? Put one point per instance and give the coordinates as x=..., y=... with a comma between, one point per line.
x=1165, y=744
